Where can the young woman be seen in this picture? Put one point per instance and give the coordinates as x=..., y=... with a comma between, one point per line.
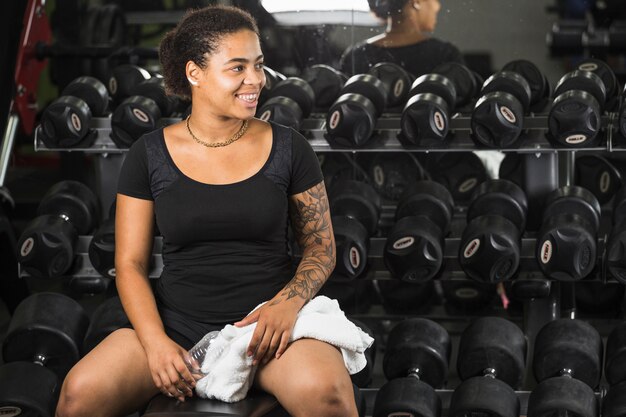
x=407, y=40
x=222, y=186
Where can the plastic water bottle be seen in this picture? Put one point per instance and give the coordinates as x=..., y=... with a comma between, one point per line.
x=196, y=354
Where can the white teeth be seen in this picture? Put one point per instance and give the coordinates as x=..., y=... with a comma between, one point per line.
x=247, y=97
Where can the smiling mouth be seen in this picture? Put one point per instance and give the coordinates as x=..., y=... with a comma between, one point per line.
x=248, y=98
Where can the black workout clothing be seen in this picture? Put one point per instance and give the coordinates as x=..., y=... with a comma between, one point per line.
x=418, y=58
x=225, y=247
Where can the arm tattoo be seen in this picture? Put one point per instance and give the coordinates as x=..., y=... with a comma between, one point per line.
x=310, y=217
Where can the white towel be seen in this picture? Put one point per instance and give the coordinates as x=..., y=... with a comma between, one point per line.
x=229, y=370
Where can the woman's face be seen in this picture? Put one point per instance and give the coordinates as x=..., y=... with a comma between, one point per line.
x=233, y=78
x=428, y=14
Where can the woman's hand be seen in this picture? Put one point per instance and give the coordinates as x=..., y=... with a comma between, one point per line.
x=169, y=371
x=275, y=320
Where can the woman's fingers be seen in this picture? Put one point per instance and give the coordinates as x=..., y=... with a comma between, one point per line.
x=274, y=343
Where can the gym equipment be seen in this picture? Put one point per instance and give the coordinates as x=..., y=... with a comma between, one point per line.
x=42, y=343
x=614, y=259
x=351, y=119
x=123, y=79
x=288, y=103
x=415, y=363
x=489, y=249
x=511, y=169
x=566, y=242
x=491, y=362
x=598, y=175
x=498, y=116
x=338, y=166
x=466, y=82
x=414, y=247
x=392, y=173
x=540, y=88
x=326, y=83
x=567, y=364
x=355, y=208
x=106, y=318
x=467, y=296
x=65, y=123
x=102, y=246
x=396, y=80
x=459, y=172
x=46, y=246
x=402, y=297
x=139, y=113
x=272, y=77
x=613, y=404
x=601, y=298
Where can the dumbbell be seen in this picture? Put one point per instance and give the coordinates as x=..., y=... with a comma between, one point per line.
x=414, y=247
x=615, y=372
x=415, y=364
x=272, y=77
x=351, y=119
x=123, y=79
x=47, y=244
x=106, y=318
x=598, y=175
x=466, y=296
x=567, y=366
x=102, y=246
x=326, y=83
x=355, y=208
x=540, y=88
x=338, y=165
x=608, y=77
x=614, y=260
x=140, y=112
x=498, y=116
x=459, y=172
x=288, y=102
x=466, y=82
x=574, y=119
x=65, y=123
x=566, y=242
x=489, y=250
x=490, y=362
x=391, y=173
x=42, y=343
x=397, y=82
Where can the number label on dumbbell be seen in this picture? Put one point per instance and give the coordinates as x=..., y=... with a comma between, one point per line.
x=471, y=248
x=334, y=119
x=401, y=414
x=546, y=252
x=508, y=115
x=438, y=119
x=605, y=182
x=379, y=176
x=112, y=85
x=141, y=115
x=575, y=139
x=111, y=273
x=403, y=242
x=467, y=185
x=266, y=115
x=76, y=121
x=10, y=411
x=355, y=258
x=589, y=66
x=398, y=88
x=27, y=246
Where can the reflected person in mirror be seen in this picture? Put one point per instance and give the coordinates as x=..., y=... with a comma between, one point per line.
x=407, y=40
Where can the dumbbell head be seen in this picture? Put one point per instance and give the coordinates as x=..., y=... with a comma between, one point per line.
x=350, y=121
x=33, y=390
x=47, y=328
x=467, y=296
x=393, y=172
x=425, y=118
x=566, y=243
x=102, y=249
x=154, y=88
x=497, y=118
x=568, y=347
x=459, y=172
x=604, y=71
x=464, y=81
x=615, y=365
x=562, y=396
x=490, y=245
x=574, y=118
x=326, y=83
x=352, y=247
x=272, y=77
x=357, y=200
x=106, y=318
x=92, y=91
x=492, y=346
x=134, y=117
x=614, y=403
x=598, y=175
x=484, y=396
x=539, y=85
x=124, y=78
x=298, y=90
x=418, y=344
x=370, y=87
x=281, y=110
x=46, y=246
x=414, y=246
x=615, y=259
x=396, y=80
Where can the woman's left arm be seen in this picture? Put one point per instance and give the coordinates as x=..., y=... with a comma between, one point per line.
x=310, y=218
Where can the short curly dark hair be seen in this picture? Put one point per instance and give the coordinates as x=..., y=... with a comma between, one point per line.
x=385, y=8
x=195, y=37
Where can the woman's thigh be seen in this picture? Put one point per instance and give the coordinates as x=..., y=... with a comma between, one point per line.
x=112, y=379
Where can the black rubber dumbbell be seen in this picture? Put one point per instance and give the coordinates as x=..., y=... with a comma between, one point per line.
x=608, y=77
x=567, y=365
x=467, y=296
x=123, y=79
x=272, y=77
x=414, y=247
x=490, y=362
x=466, y=82
x=140, y=112
x=489, y=250
x=106, y=318
x=415, y=364
x=598, y=175
x=397, y=82
x=338, y=166
x=426, y=116
x=615, y=258
x=326, y=83
x=288, y=102
x=42, y=343
x=391, y=173
x=351, y=119
x=46, y=247
x=581, y=95
x=540, y=88
x=355, y=208
x=498, y=117
x=459, y=172
x=65, y=123
x=102, y=246
x=567, y=238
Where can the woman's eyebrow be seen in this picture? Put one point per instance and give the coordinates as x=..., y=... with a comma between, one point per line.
x=242, y=60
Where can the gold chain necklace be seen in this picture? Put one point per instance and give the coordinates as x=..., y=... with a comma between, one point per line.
x=227, y=142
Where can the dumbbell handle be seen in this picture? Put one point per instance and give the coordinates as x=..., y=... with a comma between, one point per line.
x=490, y=373
x=414, y=373
x=40, y=359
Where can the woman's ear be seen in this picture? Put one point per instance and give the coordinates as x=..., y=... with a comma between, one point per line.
x=193, y=73
x=416, y=5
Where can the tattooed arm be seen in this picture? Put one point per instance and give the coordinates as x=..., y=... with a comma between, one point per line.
x=310, y=218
